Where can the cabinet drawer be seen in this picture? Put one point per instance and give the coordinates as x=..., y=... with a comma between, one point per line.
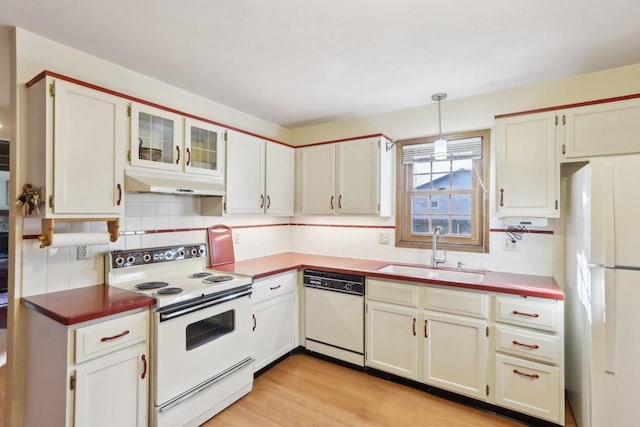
x=534, y=345
x=106, y=337
x=530, y=312
x=392, y=292
x=529, y=387
x=273, y=286
x=457, y=302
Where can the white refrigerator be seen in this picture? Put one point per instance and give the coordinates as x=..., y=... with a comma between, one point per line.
x=602, y=347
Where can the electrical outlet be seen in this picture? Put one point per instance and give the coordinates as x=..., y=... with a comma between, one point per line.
x=510, y=245
x=83, y=252
x=383, y=238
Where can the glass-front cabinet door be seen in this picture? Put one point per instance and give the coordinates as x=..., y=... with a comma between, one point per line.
x=204, y=148
x=156, y=138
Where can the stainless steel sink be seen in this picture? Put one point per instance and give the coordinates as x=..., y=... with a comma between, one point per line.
x=430, y=273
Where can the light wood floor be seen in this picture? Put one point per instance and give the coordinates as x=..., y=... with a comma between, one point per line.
x=306, y=391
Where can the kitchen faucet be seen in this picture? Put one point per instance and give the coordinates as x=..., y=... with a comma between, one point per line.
x=435, y=259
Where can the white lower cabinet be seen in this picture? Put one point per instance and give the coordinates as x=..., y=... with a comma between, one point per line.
x=94, y=373
x=392, y=339
x=275, y=318
x=455, y=353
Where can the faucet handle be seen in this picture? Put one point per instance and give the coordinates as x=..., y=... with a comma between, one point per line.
x=460, y=264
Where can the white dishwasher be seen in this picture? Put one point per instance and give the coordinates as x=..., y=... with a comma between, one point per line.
x=334, y=315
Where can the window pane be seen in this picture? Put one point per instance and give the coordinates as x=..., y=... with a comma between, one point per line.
x=441, y=181
x=424, y=167
x=421, y=182
x=419, y=205
x=442, y=166
x=462, y=180
x=440, y=204
x=441, y=221
x=461, y=225
x=457, y=165
x=461, y=204
x=419, y=224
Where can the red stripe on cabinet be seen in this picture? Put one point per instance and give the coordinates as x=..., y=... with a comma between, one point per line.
x=565, y=106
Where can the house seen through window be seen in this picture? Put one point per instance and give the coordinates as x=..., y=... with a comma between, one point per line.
x=449, y=192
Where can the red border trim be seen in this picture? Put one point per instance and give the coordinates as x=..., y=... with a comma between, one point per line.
x=504, y=230
x=352, y=138
x=149, y=103
x=577, y=104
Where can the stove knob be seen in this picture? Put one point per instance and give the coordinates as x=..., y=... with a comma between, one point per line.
x=194, y=251
x=146, y=257
x=119, y=261
x=130, y=259
x=168, y=255
x=348, y=287
x=181, y=253
x=201, y=251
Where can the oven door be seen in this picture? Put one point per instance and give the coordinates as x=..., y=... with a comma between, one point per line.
x=198, y=343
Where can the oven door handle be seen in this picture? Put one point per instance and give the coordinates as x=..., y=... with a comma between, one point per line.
x=202, y=305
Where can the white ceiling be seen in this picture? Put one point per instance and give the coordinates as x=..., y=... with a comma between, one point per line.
x=296, y=62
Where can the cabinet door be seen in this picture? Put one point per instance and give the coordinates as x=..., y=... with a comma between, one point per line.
x=455, y=353
x=204, y=145
x=602, y=129
x=279, y=179
x=392, y=339
x=318, y=180
x=359, y=177
x=89, y=134
x=528, y=174
x=273, y=329
x=112, y=390
x=245, y=174
x=156, y=138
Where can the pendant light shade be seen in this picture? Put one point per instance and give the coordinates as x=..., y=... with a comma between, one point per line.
x=440, y=145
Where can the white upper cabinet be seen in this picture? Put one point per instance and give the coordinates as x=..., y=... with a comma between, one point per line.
x=602, y=129
x=204, y=149
x=279, y=179
x=528, y=172
x=352, y=177
x=259, y=176
x=156, y=138
x=77, y=137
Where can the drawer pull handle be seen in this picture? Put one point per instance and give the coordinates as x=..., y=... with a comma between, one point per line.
x=533, y=376
x=519, y=313
x=425, y=329
x=414, y=326
x=255, y=322
x=144, y=364
x=115, y=337
x=273, y=288
x=532, y=346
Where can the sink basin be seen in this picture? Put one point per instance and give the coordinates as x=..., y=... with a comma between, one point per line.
x=430, y=273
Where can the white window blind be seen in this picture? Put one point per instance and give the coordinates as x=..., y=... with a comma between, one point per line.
x=457, y=149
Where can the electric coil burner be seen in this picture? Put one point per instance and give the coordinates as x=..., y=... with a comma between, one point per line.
x=199, y=275
x=217, y=279
x=150, y=285
x=169, y=291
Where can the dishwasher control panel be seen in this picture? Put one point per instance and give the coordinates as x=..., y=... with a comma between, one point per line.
x=337, y=282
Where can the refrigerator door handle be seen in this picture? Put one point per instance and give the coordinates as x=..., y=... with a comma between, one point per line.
x=610, y=321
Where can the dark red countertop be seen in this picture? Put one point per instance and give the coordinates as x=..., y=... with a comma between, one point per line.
x=82, y=304
x=510, y=283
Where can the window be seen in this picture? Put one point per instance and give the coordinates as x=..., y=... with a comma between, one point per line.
x=450, y=193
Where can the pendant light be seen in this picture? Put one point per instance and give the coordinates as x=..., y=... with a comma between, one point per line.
x=440, y=145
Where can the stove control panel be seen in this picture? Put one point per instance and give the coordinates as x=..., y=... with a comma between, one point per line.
x=133, y=257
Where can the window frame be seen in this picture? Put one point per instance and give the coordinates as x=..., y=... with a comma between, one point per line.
x=479, y=239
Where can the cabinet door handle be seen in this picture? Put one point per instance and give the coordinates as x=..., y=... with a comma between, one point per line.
x=115, y=337
x=414, y=326
x=268, y=201
x=519, y=313
x=261, y=201
x=533, y=376
x=331, y=202
x=501, y=197
x=144, y=365
x=273, y=288
x=188, y=156
x=340, y=202
x=119, y=187
x=255, y=322
x=178, y=150
x=425, y=329
x=531, y=346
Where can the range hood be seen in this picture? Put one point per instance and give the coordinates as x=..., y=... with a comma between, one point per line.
x=142, y=182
